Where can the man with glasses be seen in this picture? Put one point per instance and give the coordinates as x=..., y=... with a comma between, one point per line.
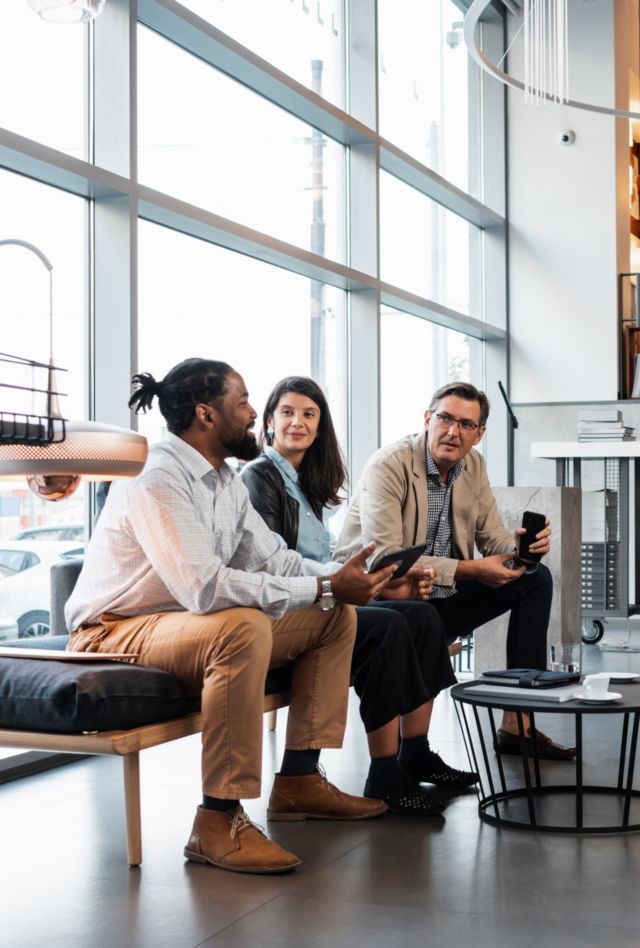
x=433, y=487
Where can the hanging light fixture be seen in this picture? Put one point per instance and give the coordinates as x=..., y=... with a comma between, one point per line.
x=51, y=452
x=546, y=60
x=67, y=11
x=544, y=24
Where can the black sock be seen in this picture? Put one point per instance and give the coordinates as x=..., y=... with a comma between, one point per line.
x=384, y=771
x=414, y=750
x=215, y=803
x=299, y=763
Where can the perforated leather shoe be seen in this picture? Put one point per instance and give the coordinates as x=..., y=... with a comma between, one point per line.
x=405, y=797
x=314, y=798
x=229, y=840
x=433, y=769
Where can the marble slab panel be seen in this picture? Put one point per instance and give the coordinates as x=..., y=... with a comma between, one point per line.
x=563, y=507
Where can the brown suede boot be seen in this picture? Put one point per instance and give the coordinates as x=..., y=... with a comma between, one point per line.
x=314, y=798
x=230, y=840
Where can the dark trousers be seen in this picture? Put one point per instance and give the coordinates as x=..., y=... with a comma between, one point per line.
x=528, y=598
x=400, y=659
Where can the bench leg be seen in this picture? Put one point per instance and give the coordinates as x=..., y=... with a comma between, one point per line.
x=131, y=765
x=272, y=719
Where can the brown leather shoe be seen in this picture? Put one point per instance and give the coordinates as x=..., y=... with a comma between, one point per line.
x=508, y=743
x=231, y=841
x=314, y=798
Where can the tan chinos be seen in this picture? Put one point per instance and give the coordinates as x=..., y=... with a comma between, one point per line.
x=224, y=657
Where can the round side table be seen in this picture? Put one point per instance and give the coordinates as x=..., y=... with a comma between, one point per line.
x=520, y=797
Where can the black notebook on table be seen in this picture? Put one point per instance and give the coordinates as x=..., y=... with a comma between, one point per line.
x=530, y=678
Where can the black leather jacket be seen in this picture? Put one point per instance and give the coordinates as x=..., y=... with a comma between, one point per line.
x=269, y=496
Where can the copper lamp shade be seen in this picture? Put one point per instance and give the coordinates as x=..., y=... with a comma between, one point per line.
x=95, y=451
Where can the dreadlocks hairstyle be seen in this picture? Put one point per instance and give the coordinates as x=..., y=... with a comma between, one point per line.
x=462, y=390
x=322, y=473
x=186, y=385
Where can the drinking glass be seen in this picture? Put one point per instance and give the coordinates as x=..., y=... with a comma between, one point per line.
x=565, y=658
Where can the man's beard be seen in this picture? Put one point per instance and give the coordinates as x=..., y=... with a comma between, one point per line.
x=244, y=449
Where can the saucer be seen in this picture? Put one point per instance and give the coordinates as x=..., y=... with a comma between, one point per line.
x=620, y=677
x=606, y=699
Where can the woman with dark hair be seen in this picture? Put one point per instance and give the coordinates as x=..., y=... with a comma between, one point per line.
x=399, y=665
x=183, y=573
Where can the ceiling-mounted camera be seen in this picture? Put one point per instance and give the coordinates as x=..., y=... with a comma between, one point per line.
x=453, y=36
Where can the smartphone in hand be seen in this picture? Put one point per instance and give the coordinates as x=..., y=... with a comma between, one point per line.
x=404, y=559
x=533, y=523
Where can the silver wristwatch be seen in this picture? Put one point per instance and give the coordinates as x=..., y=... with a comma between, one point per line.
x=326, y=601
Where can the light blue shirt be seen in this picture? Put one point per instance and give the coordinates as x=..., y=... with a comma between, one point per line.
x=314, y=540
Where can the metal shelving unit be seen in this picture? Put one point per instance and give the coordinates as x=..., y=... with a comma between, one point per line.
x=19, y=427
x=605, y=563
x=602, y=569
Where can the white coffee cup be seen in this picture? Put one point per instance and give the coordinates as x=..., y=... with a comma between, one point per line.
x=596, y=686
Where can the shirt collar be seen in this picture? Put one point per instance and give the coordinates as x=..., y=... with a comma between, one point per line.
x=195, y=462
x=432, y=469
x=286, y=469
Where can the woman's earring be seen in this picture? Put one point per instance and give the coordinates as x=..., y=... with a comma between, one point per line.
x=270, y=434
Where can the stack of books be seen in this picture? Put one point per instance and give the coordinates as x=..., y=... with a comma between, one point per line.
x=603, y=425
x=523, y=685
x=522, y=696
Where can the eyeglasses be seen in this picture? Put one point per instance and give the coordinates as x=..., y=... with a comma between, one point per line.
x=446, y=421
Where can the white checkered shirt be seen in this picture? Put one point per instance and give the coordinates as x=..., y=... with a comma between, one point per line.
x=183, y=536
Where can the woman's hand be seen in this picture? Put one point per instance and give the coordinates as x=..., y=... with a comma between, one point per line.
x=353, y=584
x=417, y=583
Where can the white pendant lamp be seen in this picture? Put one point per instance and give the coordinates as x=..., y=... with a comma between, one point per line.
x=546, y=40
x=67, y=11
x=53, y=453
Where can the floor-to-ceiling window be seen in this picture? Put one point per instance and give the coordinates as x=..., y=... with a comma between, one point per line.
x=265, y=330
x=34, y=533
x=296, y=186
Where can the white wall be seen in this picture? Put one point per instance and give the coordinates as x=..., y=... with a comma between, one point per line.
x=562, y=211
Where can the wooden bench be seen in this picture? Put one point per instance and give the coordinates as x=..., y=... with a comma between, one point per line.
x=126, y=744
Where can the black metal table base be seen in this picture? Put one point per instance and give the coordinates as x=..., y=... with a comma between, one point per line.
x=532, y=795
x=492, y=802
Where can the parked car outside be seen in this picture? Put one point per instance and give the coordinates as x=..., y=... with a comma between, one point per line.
x=25, y=584
x=53, y=531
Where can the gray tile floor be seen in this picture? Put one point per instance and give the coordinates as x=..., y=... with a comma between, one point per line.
x=392, y=881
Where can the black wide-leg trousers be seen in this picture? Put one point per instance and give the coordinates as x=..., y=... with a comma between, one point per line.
x=528, y=598
x=400, y=659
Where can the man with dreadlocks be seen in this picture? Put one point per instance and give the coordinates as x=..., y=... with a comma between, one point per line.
x=182, y=572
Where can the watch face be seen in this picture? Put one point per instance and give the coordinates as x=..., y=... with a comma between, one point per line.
x=326, y=601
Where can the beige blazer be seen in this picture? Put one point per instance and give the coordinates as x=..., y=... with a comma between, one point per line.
x=390, y=506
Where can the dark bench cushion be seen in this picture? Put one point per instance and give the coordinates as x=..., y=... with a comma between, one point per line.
x=71, y=697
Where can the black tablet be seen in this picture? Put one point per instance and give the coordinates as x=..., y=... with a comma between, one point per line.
x=404, y=559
